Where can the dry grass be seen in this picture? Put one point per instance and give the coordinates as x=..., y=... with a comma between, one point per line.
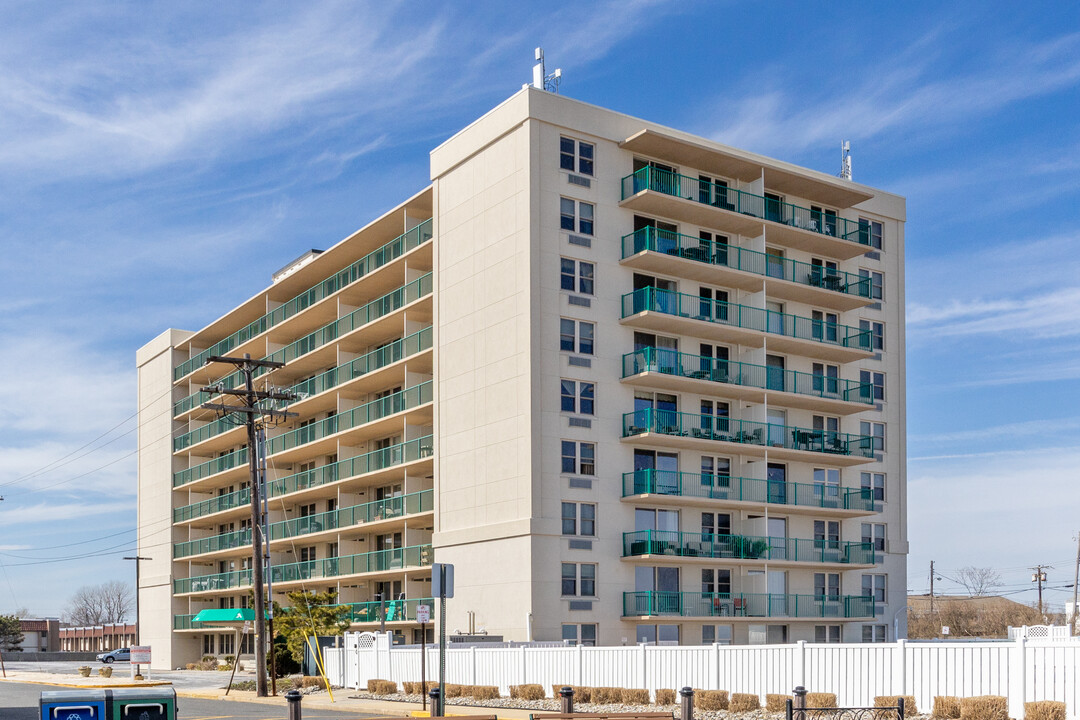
x=776, y=703
x=581, y=693
x=454, y=690
x=484, y=692
x=984, y=707
x=744, y=702
x=891, y=701
x=527, y=692
x=606, y=695
x=1044, y=710
x=665, y=697
x=635, y=696
x=377, y=687
x=946, y=706
x=373, y=684
x=316, y=681
x=820, y=700
x=711, y=700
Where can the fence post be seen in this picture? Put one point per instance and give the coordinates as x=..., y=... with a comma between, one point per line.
x=900, y=707
x=580, y=679
x=686, y=695
x=643, y=660
x=900, y=667
x=472, y=665
x=566, y=700
x=292, y=699
x=436, y=706
x=800, y=665
x=1018, y=677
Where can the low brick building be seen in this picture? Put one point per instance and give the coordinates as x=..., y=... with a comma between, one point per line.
x=97, y=638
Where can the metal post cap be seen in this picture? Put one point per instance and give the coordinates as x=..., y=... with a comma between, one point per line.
x=800, y=690
x=293, y=696
x=686, y=692
x=566, y=691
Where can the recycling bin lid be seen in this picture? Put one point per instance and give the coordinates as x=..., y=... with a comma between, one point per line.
x=159, y=692
x=64, y=696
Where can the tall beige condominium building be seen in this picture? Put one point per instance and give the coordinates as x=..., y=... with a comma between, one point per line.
x=634, y=384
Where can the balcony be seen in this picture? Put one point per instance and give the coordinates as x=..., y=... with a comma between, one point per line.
x=662, y=192
x=669, y=543
x=669, y=427
x=239, y=498
x=669, y=311
x=354, y=272
x=707, y=488
x=671, y=370
x=746, y=605
x=346, y=517
x=406, y=558
x=665, y=252
x=210, y=467
x=361, y=612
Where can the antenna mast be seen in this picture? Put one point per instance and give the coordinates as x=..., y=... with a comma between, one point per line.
x=845, y=159
x=543, y=81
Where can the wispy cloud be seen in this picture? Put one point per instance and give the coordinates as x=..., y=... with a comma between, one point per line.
x=1051, y=315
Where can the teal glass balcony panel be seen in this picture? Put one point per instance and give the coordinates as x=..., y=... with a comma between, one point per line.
x=744, y=203
x=737, y=258
x=750, y=605
x=207, y=431
x=377, y=561
x=396, y=610
x=213, y=505
x=375, y=259
x=184, y=622
x=210, y=467
x=407, y=399
x=755, y=490
x=361, y=464
x=699, y=367
x=713, y=427
x=746, y=547
x=394, y=300
x=742, y=316
x=226, y=541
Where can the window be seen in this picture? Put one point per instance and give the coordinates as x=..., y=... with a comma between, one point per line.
x=876, y=430
x=715, y=581
x=579, y=519
x=715, y=524
x=877, y=333
x=576, y=155
x=719, y=634
x=826, y=534
x=826, y=379
x=576, y=336
x=578, y=458
x=875, y=381
x=876, y=282
x=584, y=634
x=576, y=216
x=579, y=580
x=667, y=634
x=827, y=633
x=874, y=533
x=824, y=326
x=576, y=276
x=578, y=397
x=874, y=586
x=875, y=484
x=873, y=633
x=870, y=233
x=827, y=484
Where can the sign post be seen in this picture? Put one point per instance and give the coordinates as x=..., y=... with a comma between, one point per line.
x=423, y=616
x=442, y=587
x=140, y=654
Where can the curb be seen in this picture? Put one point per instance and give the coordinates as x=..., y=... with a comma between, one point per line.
x=149, y=683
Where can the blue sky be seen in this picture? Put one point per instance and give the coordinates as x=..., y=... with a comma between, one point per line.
x=159, y=160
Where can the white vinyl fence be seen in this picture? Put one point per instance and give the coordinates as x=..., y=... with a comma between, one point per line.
x=1023, y=670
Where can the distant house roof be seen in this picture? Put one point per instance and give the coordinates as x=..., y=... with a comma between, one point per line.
x=34, y=625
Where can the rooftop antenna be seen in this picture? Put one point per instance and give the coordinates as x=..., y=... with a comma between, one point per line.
x=845, y=159
x=543, y=81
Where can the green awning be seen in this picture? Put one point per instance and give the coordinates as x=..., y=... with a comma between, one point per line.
x=226, y=617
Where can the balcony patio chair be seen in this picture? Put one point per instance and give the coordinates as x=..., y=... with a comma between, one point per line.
x=739, y=606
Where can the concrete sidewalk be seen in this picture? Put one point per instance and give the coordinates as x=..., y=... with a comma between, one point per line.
x=78, y=681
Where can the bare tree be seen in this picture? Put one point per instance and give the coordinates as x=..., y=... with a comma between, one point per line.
x=979, y=581
x=110, y=602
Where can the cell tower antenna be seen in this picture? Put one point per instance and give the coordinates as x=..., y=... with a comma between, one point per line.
x=845, y=159
x=541, y=80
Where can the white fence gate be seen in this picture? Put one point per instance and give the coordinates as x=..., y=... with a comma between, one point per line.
x=1022, y=670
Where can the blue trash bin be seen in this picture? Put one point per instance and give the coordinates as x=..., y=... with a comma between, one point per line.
x=86, y=704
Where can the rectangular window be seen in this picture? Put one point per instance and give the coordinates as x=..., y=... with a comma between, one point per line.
x=876, y=381
x=874, y=586
x=873, y=633
x=576, y=216
x=876, y=282
x=578, y=458
x=827, y=585
x=584, y=634
x=579, y=580
x=824, y=326
x=827, y=633
x=826, y=534
x=874, y=533
x=579, y=519
x=576, y=155
x=719, y=634
x=827, y=485
x=877, y=333
x=576, y=335
x=876, y=430
x=874, y=483
x=870, y=233
x=576, y=276
x=578, y=397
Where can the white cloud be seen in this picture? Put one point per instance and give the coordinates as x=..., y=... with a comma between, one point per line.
x=1049, y=315
x=52, y=513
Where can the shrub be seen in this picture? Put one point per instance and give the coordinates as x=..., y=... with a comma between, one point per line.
x=581, y=694
x=711, y=699
x=946, y=706
x=209, y=662
x=1044, y=710
x=776, y=703
x=606, y=695
x=891, y=701
x=243, y=685
x=984, y=707
x=454, y=690
x=193, y=666
x=665, y=697
x=743, y=702
x=525, y=692
x=407, y=686
x=224, y=668
x=820, y=700
x=317, y=682
x=373, y=685
x=635, y=696
x=485, y=692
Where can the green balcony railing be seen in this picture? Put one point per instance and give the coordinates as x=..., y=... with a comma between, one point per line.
x=213, y=505
x=360, y=612
x=743, y=316
x=406, y=399
x=699, y=367
x=377, y=561
x=737, y=258
x=365, y=265
x=359, y=317
x=210, y=467
x=345, y=517
x=746, y=547
x=726, y=487
x=747, y=432
x=760, y=605
x=824, y=222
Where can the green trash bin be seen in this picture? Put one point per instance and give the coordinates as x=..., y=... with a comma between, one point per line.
x=149, y=703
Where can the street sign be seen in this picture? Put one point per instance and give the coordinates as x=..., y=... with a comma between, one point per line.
x=423, y=613
x=140, y=655
x=247, y=627
x=442, y=580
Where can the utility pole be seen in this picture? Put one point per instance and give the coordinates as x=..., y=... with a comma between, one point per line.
x=253, y=410
x=137, y=558
x=931, y=588
x=1076, y=582
x=1040, y=577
